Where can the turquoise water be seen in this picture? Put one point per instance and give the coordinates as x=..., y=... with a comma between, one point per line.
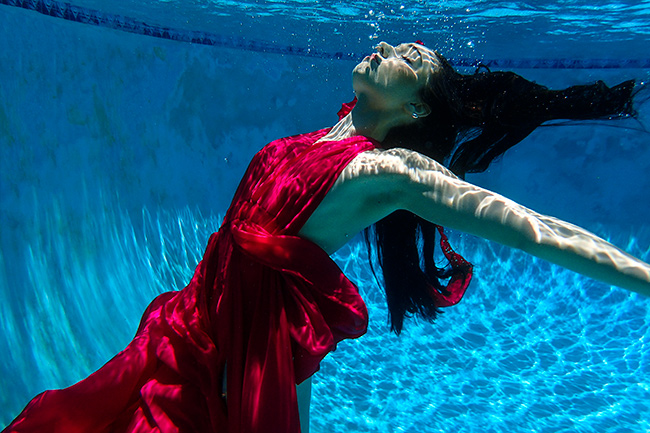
x=118, y=153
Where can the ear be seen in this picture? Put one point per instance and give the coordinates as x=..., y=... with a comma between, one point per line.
x=422, y=109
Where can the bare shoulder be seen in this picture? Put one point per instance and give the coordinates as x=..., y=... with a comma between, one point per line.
x=395, y=162
x=374, y=184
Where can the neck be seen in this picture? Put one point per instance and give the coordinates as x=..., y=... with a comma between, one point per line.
x=375, y=121
x=367, y=120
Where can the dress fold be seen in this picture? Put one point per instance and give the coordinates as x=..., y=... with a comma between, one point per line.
x=264, y=305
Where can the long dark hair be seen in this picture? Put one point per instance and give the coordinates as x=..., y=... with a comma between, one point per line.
x=474, y=120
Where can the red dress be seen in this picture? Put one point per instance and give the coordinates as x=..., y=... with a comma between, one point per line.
x=266, y=303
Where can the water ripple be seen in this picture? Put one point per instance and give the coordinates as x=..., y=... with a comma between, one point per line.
x=532, y=347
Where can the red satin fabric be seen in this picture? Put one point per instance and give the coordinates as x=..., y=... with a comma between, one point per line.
x=263, y=301
x=268, y=303
x=460, y=279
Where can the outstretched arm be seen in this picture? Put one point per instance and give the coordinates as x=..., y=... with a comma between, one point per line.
x=438, y=196
x=378, y=182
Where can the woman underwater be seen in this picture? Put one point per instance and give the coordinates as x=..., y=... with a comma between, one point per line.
x=266, y=303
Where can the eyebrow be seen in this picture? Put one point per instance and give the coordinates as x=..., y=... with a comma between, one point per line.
x=419, y=53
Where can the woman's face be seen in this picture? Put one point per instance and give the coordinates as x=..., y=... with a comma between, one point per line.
x=394, y=76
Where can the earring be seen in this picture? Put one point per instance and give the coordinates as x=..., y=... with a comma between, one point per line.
x=415, y=115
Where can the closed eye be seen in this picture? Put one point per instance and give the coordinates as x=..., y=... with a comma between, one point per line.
x=408, y=60
x=411, y=53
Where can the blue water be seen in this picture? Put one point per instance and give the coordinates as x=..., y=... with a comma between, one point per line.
x=118, y=153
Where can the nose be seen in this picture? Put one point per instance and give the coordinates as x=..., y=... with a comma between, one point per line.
x=386, y=50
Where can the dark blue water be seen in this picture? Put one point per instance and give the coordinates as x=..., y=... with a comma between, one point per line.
x=118, y=152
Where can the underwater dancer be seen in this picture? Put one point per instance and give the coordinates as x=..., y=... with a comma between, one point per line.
x=267, y=303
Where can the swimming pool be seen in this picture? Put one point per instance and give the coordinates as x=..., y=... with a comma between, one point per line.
x=119, y=151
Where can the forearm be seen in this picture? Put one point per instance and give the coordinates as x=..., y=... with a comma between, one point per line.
x=574, y=248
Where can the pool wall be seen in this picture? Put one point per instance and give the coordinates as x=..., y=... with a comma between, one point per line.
x=108, y=137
